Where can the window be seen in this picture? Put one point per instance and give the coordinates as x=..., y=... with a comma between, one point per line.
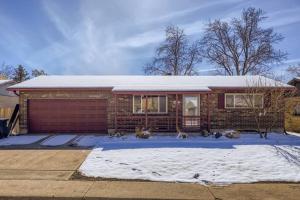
x=297, y=110
x=191, y=107
x=155, y=104
x=243, y=100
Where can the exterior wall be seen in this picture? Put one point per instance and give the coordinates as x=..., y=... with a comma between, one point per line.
x=63, y=94
x=240, y=118
x=292, y=121
x=220, y=118
x=127, y=120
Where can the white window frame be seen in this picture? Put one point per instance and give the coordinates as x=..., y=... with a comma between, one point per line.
x=142, y=111
x=248, y=107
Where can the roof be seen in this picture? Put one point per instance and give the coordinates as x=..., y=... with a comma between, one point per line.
x=3, y=85
x=294, y=81
x=5, y=81
x=146, y=83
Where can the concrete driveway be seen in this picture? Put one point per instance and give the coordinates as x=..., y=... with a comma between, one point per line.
x=40, y=164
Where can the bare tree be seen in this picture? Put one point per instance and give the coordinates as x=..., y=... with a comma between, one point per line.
x=38, y=72
x=266, y=103
x=6, y=71
x=175, y=56
x=294, y=70
x=242, y=46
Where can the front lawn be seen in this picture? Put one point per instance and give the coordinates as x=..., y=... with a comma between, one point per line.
x=197, y=159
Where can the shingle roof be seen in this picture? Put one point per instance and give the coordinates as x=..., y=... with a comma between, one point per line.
x=147, y=83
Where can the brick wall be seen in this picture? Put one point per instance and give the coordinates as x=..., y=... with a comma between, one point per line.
x=220, y=118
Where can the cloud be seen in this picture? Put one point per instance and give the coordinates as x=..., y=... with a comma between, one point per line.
x=112, y=37
x=283, y=17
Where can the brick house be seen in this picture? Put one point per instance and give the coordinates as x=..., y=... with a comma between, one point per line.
x=292, y=111
x=98, y=104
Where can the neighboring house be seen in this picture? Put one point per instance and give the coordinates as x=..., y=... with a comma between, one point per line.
x=8, y=101
x=296, y=82
x=7, y=98
x=292, y=114
x=85, y=104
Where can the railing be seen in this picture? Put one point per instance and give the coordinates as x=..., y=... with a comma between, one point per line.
x=160, y=122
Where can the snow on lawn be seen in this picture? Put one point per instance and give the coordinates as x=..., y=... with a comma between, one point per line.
x=21, y=140
x=197, y=159
x=57, y=140
x=86, y=141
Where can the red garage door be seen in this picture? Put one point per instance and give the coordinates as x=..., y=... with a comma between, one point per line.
x=67, y=116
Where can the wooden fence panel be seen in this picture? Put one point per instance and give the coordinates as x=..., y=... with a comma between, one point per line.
x=6, y=113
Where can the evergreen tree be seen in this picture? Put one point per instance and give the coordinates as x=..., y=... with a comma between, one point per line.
x=20, y=74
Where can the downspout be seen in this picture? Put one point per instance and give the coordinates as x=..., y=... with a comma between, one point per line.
x=16, y=93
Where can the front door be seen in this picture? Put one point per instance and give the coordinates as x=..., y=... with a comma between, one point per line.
x=191, y=111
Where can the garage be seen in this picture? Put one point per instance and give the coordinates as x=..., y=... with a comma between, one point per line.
x=67, y=115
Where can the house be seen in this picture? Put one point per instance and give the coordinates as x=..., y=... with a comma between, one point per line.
x=296, y=82
x=100, y=104
x=8, y=99
x=292, y=111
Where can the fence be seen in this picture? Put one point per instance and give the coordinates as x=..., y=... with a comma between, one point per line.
x=6, y=113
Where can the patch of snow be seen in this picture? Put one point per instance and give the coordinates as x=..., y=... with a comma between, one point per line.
x=86, y=141
x=197, y=159
x=137, y=82
x=21, y=140
x=293, y=133
x=57, y=140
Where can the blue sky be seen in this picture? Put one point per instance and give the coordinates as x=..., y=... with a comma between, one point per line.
x=119, y=36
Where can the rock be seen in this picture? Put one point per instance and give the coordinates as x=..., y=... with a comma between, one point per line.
x=196, y=176
x=140, y=133
x=218, y=135
x=205, y=133
x=182, y=135
x=232, y=134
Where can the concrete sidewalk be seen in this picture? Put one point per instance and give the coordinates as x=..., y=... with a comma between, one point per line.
x=46, y=164
x=50, y=189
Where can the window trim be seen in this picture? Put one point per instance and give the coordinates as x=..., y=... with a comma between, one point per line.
x=235, y=94
x=142, y=111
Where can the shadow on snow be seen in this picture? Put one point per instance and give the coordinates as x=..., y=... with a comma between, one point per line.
x=130, y=142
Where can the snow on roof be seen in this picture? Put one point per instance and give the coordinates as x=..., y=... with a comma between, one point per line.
x=147, y=83
x=4, y=81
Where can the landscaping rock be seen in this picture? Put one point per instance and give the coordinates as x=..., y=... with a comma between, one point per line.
x=142, y=133
x=182, y=135
x=205, y=133
x=217, y=135
x=232, y=134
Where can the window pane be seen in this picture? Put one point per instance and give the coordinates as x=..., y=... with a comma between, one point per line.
x=162, y=104
x=137, y=104
x=297, y=110
x=152, y=104
x=229, y=101
x=258, y=101
x=243, y=101
x=191, y=105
